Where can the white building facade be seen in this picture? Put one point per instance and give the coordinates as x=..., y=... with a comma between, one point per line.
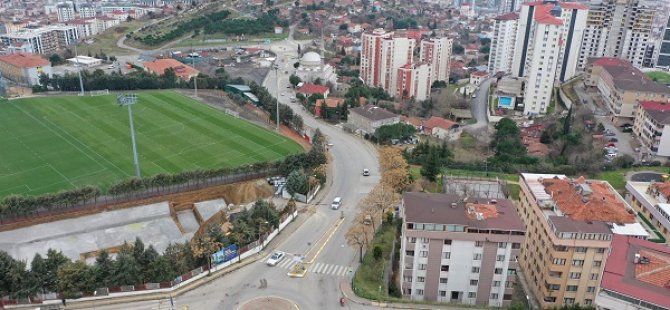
x=65, y=12
x=436, y=52
x=503, y=43
x=546, y=49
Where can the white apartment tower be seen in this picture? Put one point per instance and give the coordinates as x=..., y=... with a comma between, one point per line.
x=547, y=49
x=65, y=12
x=502, y=45
x=621, y=29
x=436, y=52
x=86, y=10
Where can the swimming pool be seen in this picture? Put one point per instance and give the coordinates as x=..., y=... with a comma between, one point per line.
x=505, y=102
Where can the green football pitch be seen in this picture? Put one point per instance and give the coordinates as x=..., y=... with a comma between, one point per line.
x=49, y=144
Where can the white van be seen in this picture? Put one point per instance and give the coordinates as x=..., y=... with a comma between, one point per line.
x=337, y=202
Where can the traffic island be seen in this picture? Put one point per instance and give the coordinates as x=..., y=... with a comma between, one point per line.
x=297, y=271
x=269, y=303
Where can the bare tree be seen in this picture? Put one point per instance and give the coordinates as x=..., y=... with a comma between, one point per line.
x=359, y=235
x=204, y=246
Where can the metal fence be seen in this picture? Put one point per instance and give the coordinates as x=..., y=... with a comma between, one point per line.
x=106, y=200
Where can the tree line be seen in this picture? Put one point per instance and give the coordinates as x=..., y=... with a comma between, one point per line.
x=298, y=180
x=184, y=27
x=268, y=103
x=134, y=263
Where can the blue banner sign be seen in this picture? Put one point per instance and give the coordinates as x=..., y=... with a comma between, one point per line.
x=225, y=255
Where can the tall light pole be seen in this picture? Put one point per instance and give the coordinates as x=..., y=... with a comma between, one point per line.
x=76, y=60
x=260, y=234
x=128, y=100
x=195, y=79
x=276, y=67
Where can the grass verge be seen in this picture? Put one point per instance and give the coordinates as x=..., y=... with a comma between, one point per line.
x=369, y=281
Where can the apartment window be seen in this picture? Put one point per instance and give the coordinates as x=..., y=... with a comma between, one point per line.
x=443, y=280
x=571, y=288
x=474, y=282
x=601, y=250
x=580, y=249
x=575, y=275
x=479, y=244
x=447, y=241
x=412, y=239
x=447, y=255
x=409, y=253
x=568, y=301
x=502, y=245
x=511, y=272
x=516, y=245
x=423, y=254
x=498, y=271
x=594, y=276
x=507, y=297
x=443, y=293
x=494, y=296
x=496, y=283
x=421, y=279
x=472, y=294
x=559, y=261
x=478, y=256
x=591, y=289
x=588, y=302
x=597, y=263
x=444, y=268
x=500, y=258
x=578, y=262
x=424, y=240
x=422, y=266
x=419, y=292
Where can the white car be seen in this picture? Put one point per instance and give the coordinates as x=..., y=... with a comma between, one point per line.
x=366, y=172
x=276, y=258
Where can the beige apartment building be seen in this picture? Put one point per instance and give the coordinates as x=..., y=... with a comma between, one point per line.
x=570, y=224
x=461, y=250
x=652, y=200
x=622, y=86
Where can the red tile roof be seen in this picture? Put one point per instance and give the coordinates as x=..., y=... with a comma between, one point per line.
x=479, y=73
x=438, y=122
x=663, y=188
x=24, y=60
x=647, y=282
x=313, y=89
x=411, y=121
x=543, y=15
x=601, y=205
x=159, y=66
x=330, y=102
x=655, y=105
x=612, y=61
x=574, y=6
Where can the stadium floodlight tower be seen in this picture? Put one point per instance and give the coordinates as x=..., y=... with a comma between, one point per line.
x=127, y=100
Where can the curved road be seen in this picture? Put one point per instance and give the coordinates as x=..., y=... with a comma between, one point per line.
x=319, y=289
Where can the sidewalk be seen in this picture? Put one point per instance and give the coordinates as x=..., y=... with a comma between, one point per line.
x=350, y=296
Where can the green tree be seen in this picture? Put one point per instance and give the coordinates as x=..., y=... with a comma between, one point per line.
x=377, y=252
x=294, y=80
x=12, y=274
x=75, y=278
x=55, y=59
x=297, y=183
x=38, y=270
x=55, y=259
x=126, y=270
x=432, y=166
x=103, y=268
x=161, y=270
x=458, y=49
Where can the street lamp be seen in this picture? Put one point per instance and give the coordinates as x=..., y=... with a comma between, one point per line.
x=276, y=67
x=260, y=234
x=95, y=293
x=128, y=100
x=76, y=60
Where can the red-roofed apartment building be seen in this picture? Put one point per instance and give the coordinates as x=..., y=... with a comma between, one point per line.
x=24, y=68
x=546, y=50
x=159, y=66
x=636, y=276
x=461, y=250
x=570, y=224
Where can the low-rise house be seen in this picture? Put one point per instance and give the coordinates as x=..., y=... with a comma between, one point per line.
x=182, y=71
x=368, y=118
x=636, y=276
x=24, y=69
x=330, y=104
x=651, y=127
x=310, y=89
x=478, y=77
x=623, y=86
x=438, y=127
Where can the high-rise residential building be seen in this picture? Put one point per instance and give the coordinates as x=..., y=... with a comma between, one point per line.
x=637, y=276
x=570, y=224
x=86, y=10
x=546, y=49
x=503, y=43
x=43, y=40
x=461, y=250
x=65, y=12
x=507, y=6
x=387, y=61
x=414, y=81
x=381, y=57
x=436, y=52
x=663, y=59
x=621, y=29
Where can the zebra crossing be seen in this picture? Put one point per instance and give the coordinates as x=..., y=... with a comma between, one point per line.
x=320, y=268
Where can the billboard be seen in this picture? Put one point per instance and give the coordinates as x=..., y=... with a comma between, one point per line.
x=225, y=254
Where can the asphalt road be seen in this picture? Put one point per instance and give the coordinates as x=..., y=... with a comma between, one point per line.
x=478, y=106
x=319, y=289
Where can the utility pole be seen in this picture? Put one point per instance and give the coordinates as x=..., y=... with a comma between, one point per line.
x=276, y=67
x=76, y=59
x=195, y=79
x=128, y=100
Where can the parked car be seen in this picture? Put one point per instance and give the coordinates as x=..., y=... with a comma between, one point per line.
x=366, y=172
x=275, y=258
x=609, y=134
x=614, y=140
